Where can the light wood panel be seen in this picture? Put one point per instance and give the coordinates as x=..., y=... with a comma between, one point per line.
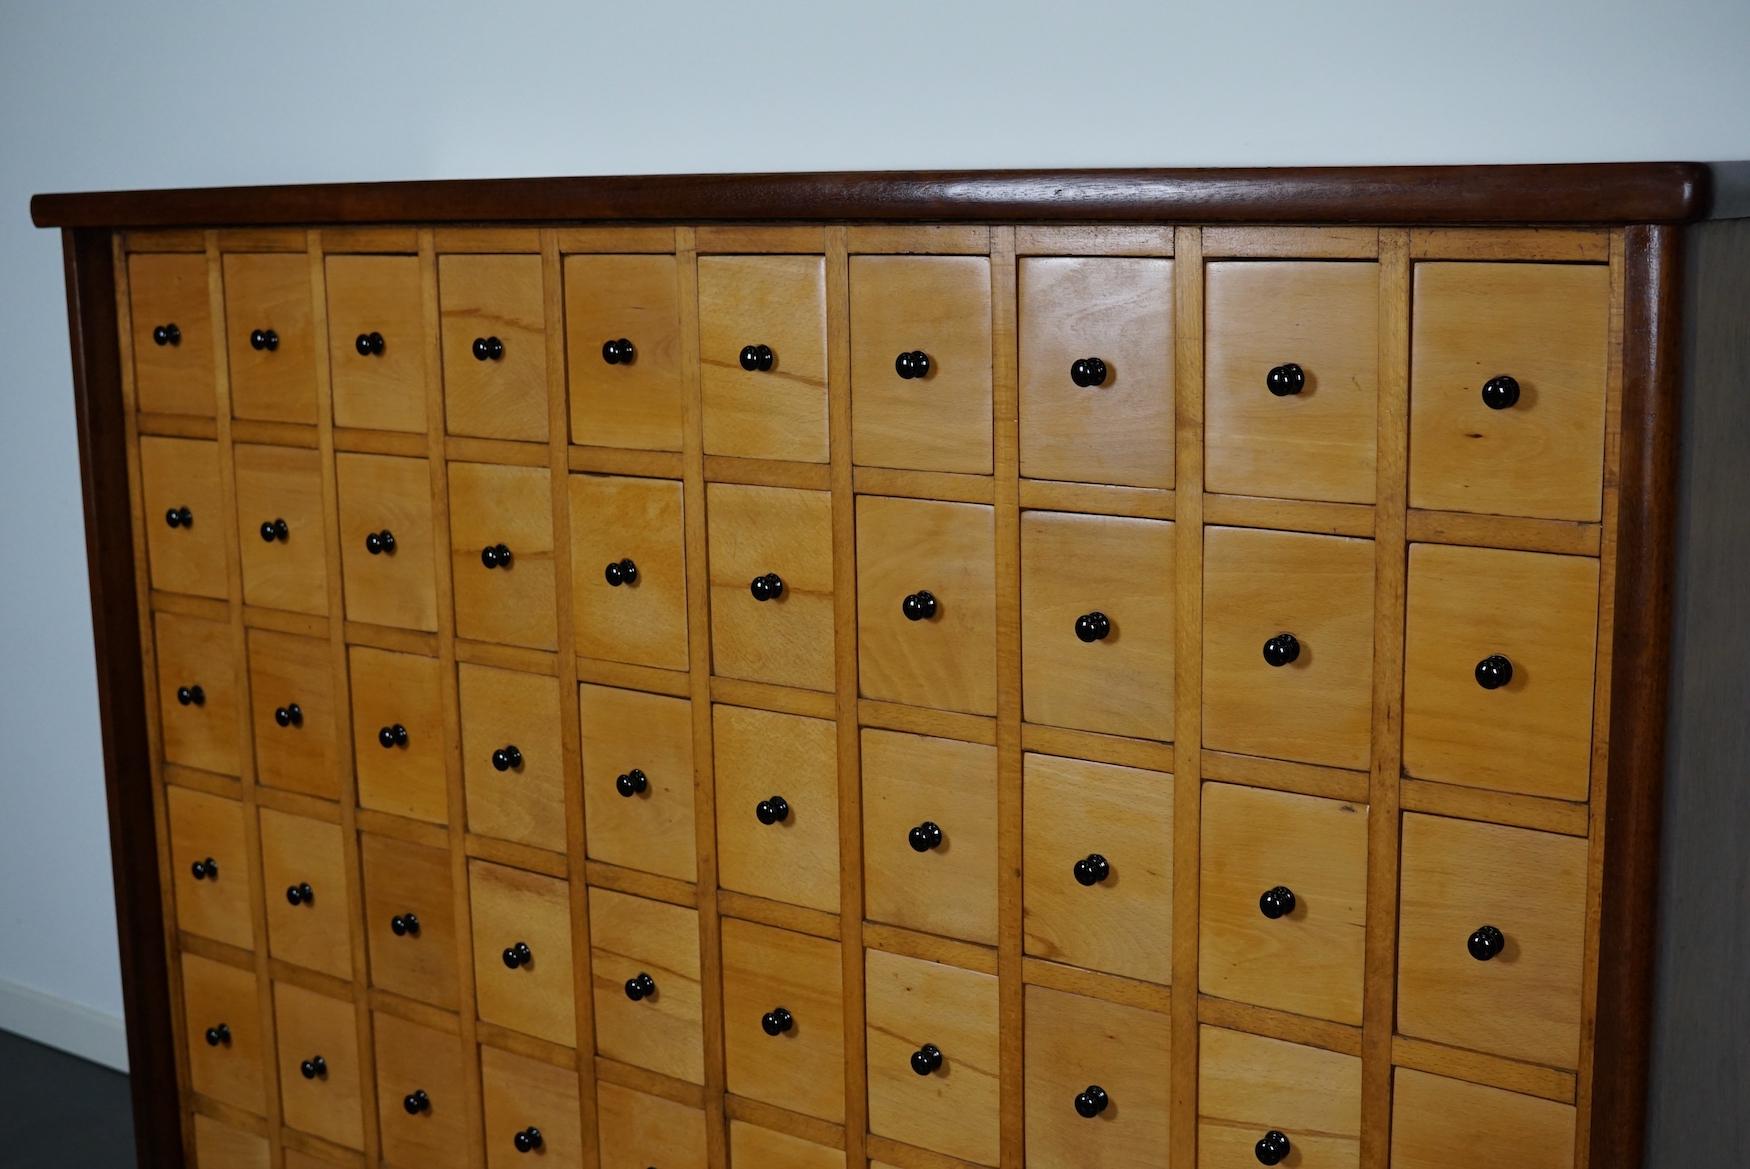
x=756, y=532
x=1110, y=1053
x=761, y=757
x=275, y=486
x=486, y=298
x=412, y=1058
x=314, y=930
x=646, y=825
x=512, y=718
x=512, y=909
x=183, y=474
x=634, y=404
x=778, y=302
x=801, y=1068
x=493, y=506
x=661, y=1031
x=169, y=293
x=270, y=293
x=392, y=586
x=1439, y=1124
x=390, y=691
x=520, y=1093
x=638, y=1130
x=1251, y=1085
x=327, y=1102
x=404, y=879
x=294, y=713
x=615, y=519
x=372, y=297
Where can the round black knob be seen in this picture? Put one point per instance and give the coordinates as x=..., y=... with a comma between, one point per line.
x=1277, y=902
x=925, y=836
x=1282, y=649
x=300, y=894
x=377, y=543
x=191, y=696
x=1091, y=627
x=313, y=1067
x=621, y=572
x=618, y=352
x=218, y=1035
x=757, y=358
x=205, y=869
x=495, y=556
x=264, y=339
x=640, y=986
x=767, y=587
x=1091, y=1101
x=179, y=517
x=1088, y=371
x=166, y=335
x=416, y=1102
x=1501, y=393
x=392, y=736
x=507, y=757
x=272, y=530
x=369, y=344
x=1272, y=1148
x=488, y=349
x=632, y=783
x=405, y=923
x=773, y=810
x=777, y=1021
x=518, y=955
x=1486, y=943
x=528, y=1140
x=1494, y=672
x=289, y=715
x=926, y=1059
x=919, y=606
x=1092, y=869
x=1286, y=380
x=912, y=365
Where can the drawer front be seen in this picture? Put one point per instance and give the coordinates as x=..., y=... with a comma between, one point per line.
x=784, y=1022
x=521, y=1094
x=1288, y=646
x=410, y=919
x=642, y=620
x=749, y=1144
x=781, y=634
x=280, y=529
x=1097, y=623
x=1308, y=958
x=303, y=869
x=498, y=508
x=197, y=692
x=269, y=337
x=777, y=409
x=1459, y=877
x=639, y=1131
x=1439, y=1123
x=938, y=306
x=180, y=476
x=317, y=1039
x=926, y=603
x=227, y=1147
x=1546, y=326
x=512, y=767
x=210, y=864
x=1119, y=310
x=1249, y=1086
x=522, y=951
x=222, y=1012
x=172, y=327
x=777, y=806
x=646, y=821
x=291, y=694
x=639, y=403
x=398, y=734
x=930, y=834
x=1112, y=828
x=377, y=343
x=1291, y=379
x=1538, y=612
x=918, y=1008
x=1083, y=1054
x=495, y=346
x=644, y=959
x=422, y=1096
x=393, y=581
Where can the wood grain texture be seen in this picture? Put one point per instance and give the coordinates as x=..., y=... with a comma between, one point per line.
x=179, y=473
x=329, y=1104
x=513, y=506
x=636, y=404
x=270, y=293
x=625, y=731
x=377, y=295
x=275, y=484
x=630, y=936
x=381, y=493
x=639, y=1130
x=482, y=297
x=519, y=1093
x=641, y=520
x=1073, y=1042
x=403, y=878
x=754, y=531
x=287, y=671
x=801, y=1069
x=411, y=1058
x=316, y=931
x=1252, y=1085
x=778, y=302
x=392, y=690
x=217, y=994
x=502, y=709
x=177, y=376
x=1435, y=1120
x=209, y=827
x=761, y=754
x=511, y=906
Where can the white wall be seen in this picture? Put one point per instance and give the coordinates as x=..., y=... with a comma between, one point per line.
x=105, y=95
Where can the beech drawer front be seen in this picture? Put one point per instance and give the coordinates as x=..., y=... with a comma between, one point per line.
x=291, y=693
x=422, y=1095
x=1470, y=611
x=512, y=767
x=1291, y=379
x=495, y=347
x=387, y=554
x=938, y=306
x=376, y=342
x=779, y=633
x=1120, y=311
x=1546, y=327
x=1087, y=1056
x=1250, y=1087
x=303, y=867
x=640, y=1131
x=638, y=781
x=522, y=951
x=197, y=693
x=1308, y=957
x=269, y=337
x=222, y=1014
x=637, y=616
x=522, y=1094
x=280, y=528
x=784, y=1024
x=210, y=865
x=644, y=959
x=1520, y=999
x=185, y=515
x=1097, y=848
x=777, y=806
x=398, y=733
x=637, y=403
x=172, y=327
x=410, y=919
x=499, y=598
x=774, y=405
x=231, y=1148
x=317, y=1040
x=1439, y=1123
x=749, y=1144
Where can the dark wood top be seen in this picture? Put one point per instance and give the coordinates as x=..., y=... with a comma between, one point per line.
x=1569, y=193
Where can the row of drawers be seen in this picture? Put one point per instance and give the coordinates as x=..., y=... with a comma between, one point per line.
x=1508, y=364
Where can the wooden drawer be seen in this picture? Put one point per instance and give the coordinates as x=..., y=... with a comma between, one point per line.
x=1288, y=646
x=209, y=862
x=749, y=1144
x=926, y=603
x=291, y=693
x=172, y=325
x=280, y=529
x=1097, y=623
x=377, y=343
x=938, y=306
x=180, y=477
x=647, y=821
x=943, y=879
x=1291, y=379
x=1119, y=310
x=639, y=1131
x=423, y=1102
x=522, y=951
x=499, y=508
x=642, y=620
x=1308, y=959
x=653, y=1021
x=1097, y=1082
x=394, y=581
x=777, y=806
x=776, y=409
x=513, y=769
x=318, y=1043
x=922, y=1012
x=400, y=773
x=410, y=919
x=1249, y=1087
x=1459, y=877
x=784, y=1022
x=1111, y=827
x=782, y=635
x=222, y=1014
x=495, y=346
x=1439, y=1123
x=197, y=692
x=638, y=403
x=1539, y=612
x=303, y=871
x=523, y=1094
x=269, y=337
x=1546, y=326
x=220, y=1146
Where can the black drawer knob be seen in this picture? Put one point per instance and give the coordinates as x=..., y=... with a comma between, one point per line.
x=621, y=572
x=191, y=696
x=163, y=335
x=1091, y=1101
x=1272, y=1148
x=369, y=344
x=1092, y=869
x=403, y=924
x=1276, y=903
x=926, y=1059
x=925, y=836
x=618, y=352
x=772, y=811
x=179, y=517
x=767, y=587
x=488, y=349
x=205, y=870
x=300, y=894
x=377, y=543
x=777, y=1021
x=640, y=986
x=757, y=358
x=495, y=556
x=1092, y=627
x=1286, y=380
x=1282, y=649
x=632, y=783
x=416, y=1102
x=919, y=606
x=219, y=1035
x=1501, y=393
x=392, y=736
x=313, y=1067
x=264, y=340
x=507, y=757
x=518, y=955
x=1486, y=943
x=1088, y=371
x=912, y=365
x=289, y=715
x=1494, y=672
x=528, y=1140
x=272, y=530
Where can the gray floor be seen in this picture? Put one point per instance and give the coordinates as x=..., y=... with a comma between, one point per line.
x=58, y=1111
